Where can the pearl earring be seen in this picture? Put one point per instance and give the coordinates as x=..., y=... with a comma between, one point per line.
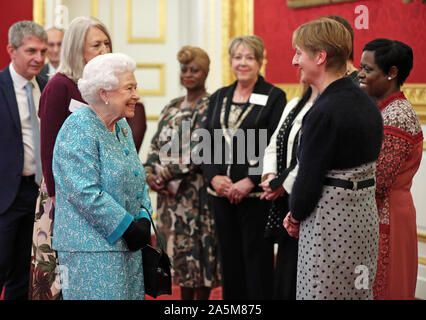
x=389, y=78
x=107, y=102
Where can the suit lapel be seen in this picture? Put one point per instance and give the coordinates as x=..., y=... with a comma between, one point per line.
x=44, y=71
x=6, y=85
x=41, y=82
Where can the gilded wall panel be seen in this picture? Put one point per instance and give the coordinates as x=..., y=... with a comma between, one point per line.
x=295, y=4
x=160, y=8
x=237, y=19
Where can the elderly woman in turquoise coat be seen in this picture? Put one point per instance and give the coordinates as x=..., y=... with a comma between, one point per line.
x=102, y=200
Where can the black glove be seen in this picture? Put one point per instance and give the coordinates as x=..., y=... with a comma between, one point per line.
x=138, y=234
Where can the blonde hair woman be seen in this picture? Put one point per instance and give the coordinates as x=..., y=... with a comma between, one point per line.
x=332, y=204
x=84, y=39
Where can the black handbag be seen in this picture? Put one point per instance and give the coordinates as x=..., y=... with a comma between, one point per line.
x=156, y=268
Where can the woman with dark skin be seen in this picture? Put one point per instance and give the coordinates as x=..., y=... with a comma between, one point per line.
x=385, y=65
x=184, y=218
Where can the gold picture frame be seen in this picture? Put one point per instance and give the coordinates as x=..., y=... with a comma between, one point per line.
x=296, y=4
x=40, y=5
x=237, y=20
x=161, y=25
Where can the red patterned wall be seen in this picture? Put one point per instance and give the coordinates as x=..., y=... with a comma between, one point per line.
x=10, y=13
x=274, y=22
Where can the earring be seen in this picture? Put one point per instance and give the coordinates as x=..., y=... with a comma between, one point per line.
x=389, y=78
x=107, y=102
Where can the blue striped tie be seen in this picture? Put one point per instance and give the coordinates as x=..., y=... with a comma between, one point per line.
x=36, y=131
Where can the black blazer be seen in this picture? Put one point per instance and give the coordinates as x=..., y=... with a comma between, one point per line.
x=343, y=129
x=11, y=145
x=260, y=117
x=44, y=72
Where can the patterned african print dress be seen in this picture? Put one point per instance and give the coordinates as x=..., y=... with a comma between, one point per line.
x=399, y=161
x=184, y=220
x=45, y=283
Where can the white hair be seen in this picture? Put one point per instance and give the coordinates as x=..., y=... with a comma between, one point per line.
x=102, y=73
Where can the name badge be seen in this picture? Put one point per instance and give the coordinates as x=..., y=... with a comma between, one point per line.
x=75, y=105
x=259, y=99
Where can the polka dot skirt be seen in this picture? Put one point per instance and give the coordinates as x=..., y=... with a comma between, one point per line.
x=338, y=242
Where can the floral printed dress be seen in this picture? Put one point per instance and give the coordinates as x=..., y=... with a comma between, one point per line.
x=45, y=282
x=184, y=220
x=398, y=162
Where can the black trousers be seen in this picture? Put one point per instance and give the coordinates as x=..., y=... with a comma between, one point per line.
x=16, y=231
x=285, y=277
x=246, y=257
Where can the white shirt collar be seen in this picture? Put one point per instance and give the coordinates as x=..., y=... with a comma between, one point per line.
x=18, y=80
x=52, y=69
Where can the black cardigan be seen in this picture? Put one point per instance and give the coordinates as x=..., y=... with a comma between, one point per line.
x=344, y=129
x=260, y=117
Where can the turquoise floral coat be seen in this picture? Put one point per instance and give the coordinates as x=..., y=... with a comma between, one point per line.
x=100, y=185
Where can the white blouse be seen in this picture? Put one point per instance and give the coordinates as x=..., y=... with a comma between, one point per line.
x=270, y=156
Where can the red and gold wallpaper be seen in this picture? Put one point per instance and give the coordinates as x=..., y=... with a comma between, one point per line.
x=274, y=22
x=9, y=14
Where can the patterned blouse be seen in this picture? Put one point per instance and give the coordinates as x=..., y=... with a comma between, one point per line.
x=184, y=219
x=175, y=125
x=401, y=131
x=396, y=166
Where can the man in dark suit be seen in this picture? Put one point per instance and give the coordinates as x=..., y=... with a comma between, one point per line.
x=20, y=165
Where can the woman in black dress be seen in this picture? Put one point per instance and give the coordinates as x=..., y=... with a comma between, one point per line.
x=250, y=108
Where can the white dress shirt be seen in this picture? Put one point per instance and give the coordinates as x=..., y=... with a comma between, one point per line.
x=270, y=155
x=19, y=83
x=52, y=71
